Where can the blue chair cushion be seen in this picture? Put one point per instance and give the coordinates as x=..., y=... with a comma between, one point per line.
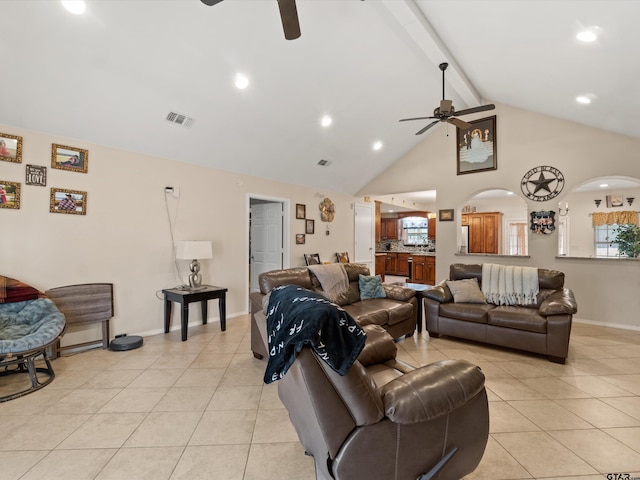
x=28, y=325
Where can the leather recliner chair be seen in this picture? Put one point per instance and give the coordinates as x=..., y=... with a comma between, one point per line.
x=384, y=419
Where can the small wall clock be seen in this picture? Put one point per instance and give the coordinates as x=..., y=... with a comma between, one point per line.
x=542, y=183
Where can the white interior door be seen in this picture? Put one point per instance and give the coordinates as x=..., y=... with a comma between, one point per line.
x=266, y=240
x=364, y=229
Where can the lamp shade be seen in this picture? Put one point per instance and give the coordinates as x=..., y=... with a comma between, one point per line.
x=194, y=249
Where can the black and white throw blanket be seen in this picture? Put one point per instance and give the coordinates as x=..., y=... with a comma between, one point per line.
x=297, y=317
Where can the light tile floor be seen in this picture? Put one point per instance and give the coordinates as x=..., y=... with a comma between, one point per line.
x=199, y=409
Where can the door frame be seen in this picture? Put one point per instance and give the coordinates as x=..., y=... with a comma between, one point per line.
x=286, y=222
x=372, y=254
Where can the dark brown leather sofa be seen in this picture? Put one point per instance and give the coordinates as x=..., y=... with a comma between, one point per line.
x=384, y=419
x=543, y=327
x=397, y=313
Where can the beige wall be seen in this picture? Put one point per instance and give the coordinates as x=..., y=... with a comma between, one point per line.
x=606, y=290
x=125, y=236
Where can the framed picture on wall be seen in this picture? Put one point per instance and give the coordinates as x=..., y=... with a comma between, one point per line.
x=9, y=194
x=68, y=201
x=445, y=215
x=477, y=146
x=310, y=226
x=614, y=200
x=10, y=148
x=36, y=175
x=301, y=211
x=299, y=238
x=73, y=159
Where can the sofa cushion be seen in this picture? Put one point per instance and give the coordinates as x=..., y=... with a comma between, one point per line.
x=380, y=311
x=466, y=291
x=371, y=287
x=470, y=312
x=561, y=302
x=352, y=295
x=379, y=346
x=459, y=271
x=397, y=292
x=439, y=293
x=290, y=276
x=520, y=318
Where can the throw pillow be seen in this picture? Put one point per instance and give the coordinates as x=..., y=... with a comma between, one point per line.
x=371, y=287
x=466, y=291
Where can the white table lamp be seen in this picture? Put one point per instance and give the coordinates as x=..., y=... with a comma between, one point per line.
x=194, y=250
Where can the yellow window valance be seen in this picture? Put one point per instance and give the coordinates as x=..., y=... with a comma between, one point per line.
x=611, y=218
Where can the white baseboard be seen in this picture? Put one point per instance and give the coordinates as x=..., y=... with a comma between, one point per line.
x=193, y=323
x=635, y=328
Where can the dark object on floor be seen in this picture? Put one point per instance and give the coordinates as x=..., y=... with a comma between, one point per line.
x=126, y=342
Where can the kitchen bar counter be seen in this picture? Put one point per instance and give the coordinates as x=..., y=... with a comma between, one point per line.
x=412, y=251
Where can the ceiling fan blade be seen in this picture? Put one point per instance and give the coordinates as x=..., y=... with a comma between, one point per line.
x=481, y=108
x=210, y=2
x=417, y=118
x=461, y=124
x=289, y=16
x=420, y=132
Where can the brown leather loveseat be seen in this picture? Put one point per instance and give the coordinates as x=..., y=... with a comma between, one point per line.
x=543, y=327
x=384, y=419
x=396, y=313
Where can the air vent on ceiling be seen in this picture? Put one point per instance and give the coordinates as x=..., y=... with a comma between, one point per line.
x=324, y=163
x=180, y=119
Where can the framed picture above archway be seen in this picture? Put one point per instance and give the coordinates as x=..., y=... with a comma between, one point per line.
x=477, y=146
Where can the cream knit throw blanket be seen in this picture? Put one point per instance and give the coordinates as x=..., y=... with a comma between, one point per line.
x=505, y=285
x=333, y=278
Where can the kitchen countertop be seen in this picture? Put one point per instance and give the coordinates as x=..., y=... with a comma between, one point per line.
x=413, y=252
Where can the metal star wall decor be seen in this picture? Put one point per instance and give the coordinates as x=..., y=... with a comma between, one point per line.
x=547, y=184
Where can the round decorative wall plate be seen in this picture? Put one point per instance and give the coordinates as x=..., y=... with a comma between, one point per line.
x=542, y=183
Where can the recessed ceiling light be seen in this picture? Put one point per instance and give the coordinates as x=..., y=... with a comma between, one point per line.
x=587, y=36
x=242, y=81
x=326, y=121
x=604, y=185
x=583, y=99
x=377, y=145
x=77, y=7
x=391, y=211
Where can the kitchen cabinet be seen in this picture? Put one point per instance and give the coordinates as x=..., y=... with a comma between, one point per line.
x=431, y=235
x=391, y=265
x=485, y=232
x=424, y=269
x=402, y=266
x=381, y=264
x=389, y=229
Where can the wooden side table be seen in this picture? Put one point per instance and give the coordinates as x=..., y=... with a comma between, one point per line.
x=185, y=297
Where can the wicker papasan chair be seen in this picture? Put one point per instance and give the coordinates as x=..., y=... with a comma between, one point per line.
x=30, y=323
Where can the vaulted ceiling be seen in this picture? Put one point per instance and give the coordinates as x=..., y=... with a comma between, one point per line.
x=112, y=75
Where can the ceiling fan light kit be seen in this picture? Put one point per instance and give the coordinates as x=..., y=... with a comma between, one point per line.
x=447, y=113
